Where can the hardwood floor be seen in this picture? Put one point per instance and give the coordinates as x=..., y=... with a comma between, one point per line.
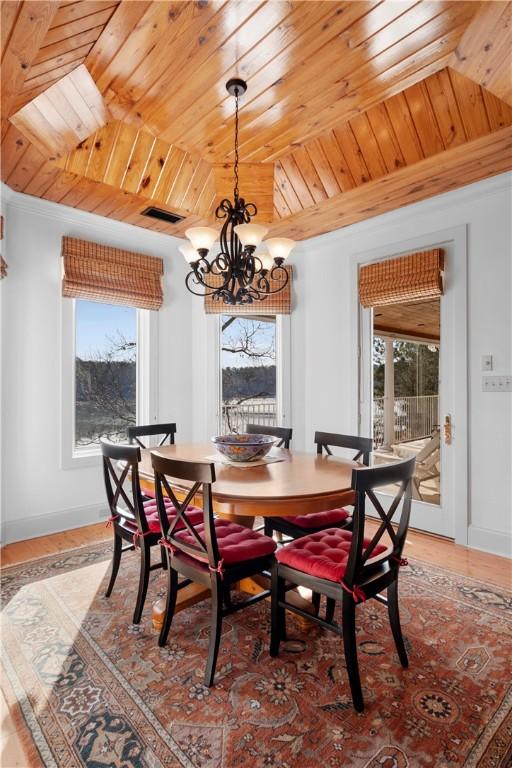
x=432, y=549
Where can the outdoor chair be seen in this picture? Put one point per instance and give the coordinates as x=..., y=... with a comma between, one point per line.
x=134, y=517
x=167, y=431
x=427, y=463
x=349, y=568
x=217, y=552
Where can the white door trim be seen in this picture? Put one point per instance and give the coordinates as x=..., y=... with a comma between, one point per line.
x=456, y=281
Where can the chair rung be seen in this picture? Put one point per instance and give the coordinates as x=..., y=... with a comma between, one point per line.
x=250, y=600
x=155, y=566
x=311, y=617
x=380, y=598
x=128, y=548
x=184, y=583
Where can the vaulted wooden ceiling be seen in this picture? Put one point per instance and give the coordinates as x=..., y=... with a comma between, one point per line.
x=353, y=108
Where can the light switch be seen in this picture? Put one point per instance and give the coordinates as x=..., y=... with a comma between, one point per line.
x=497, y=383
x=486, y=362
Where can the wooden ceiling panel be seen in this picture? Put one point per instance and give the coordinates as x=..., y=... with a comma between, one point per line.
x=443, y=111
x=483, y=53
x=346, y=101
x=69, y=37
x=355, y=80
x=415, y=320
x=407, y=62
x=23, y=42
x=128, y=159
x=440, y=173
x=65, y=114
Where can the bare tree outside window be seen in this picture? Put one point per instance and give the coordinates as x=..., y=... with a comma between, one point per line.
x=248, y=349
x=105, y=372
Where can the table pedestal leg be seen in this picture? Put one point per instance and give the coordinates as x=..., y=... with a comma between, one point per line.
x=189, y=595
x=255, y=584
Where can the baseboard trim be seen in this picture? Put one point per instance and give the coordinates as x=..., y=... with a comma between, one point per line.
x=487, y=540
x=54, y=522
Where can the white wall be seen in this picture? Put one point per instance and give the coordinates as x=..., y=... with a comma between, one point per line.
x=323, y=367
x=39, y=496
x=323, y=333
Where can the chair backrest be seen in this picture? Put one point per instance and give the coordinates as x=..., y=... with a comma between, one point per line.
x=199, y=475
x=362, y=445
x=283, y=433
x=166, y=430
x=121, y=464
x=365, y=481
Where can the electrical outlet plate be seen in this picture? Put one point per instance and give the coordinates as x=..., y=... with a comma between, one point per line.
x=497, y=383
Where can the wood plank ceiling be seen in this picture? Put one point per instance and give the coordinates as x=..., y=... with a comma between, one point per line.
x=353, y=108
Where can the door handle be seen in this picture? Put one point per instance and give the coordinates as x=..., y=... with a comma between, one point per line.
x=447, y=429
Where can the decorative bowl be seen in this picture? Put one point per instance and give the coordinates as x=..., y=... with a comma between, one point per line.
x=243, y=447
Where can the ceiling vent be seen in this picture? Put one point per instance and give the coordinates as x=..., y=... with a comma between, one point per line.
x=161, y=215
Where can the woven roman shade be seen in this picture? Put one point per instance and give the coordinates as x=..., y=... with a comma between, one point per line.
x=407, y=278
x=110, y=275
x=275, y=304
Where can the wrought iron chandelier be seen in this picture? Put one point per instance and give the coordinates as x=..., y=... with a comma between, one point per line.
x=237, y=274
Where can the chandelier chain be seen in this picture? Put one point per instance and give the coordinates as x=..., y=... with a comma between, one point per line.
x=236, y=190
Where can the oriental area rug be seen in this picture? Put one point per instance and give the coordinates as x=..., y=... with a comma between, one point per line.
x=87, y=688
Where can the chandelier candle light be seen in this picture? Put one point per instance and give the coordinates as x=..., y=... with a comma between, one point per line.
x=240, y=275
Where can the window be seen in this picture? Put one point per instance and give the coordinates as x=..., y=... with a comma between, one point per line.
x=105, y=387
x=249, y=381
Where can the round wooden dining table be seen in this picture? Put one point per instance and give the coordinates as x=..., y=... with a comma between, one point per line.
x=295, y=484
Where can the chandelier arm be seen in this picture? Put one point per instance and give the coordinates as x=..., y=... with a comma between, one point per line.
x=282, y=284
x=210, y=290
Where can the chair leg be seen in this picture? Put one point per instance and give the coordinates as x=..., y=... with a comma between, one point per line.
x=215, y=631
x=329, y=609
x=278, y=613
x=145, y=562
x=315, y=599
x=226, y=594
x=170, y=604
x=163, y=557
x=116, y=559
x=267, y=527
x=350, y=646
x=394, y=620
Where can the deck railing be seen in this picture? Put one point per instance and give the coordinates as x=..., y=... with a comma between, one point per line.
x=236, y=415
x=415, y=417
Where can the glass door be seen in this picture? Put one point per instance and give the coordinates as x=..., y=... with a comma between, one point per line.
x=413, y=393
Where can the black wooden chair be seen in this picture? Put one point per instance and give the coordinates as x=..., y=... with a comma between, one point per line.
x=302, y=525
x=134, y=517
x=284, y=434
x=216, y=553
x=166, y=430
x=345, y=566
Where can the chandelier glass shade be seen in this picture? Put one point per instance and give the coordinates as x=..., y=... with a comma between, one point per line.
x=237, y=274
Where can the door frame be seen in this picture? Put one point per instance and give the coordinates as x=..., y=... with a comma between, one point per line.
x=455, y=279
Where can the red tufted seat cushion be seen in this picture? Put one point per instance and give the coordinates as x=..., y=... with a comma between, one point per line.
x=322, y=519
x=323, y=554
x=236, y=543
x=194, y=514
